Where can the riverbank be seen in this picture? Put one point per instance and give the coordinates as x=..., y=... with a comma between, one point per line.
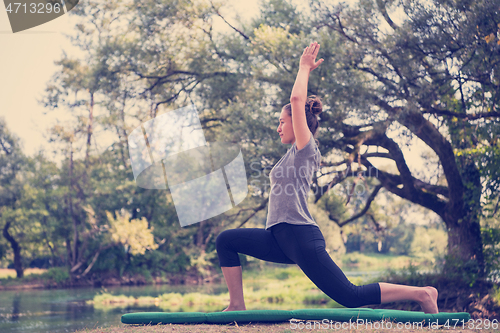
x=11, y=273
x=482, y=300
x=30, y=280
x=278, y=288
x=58, y=277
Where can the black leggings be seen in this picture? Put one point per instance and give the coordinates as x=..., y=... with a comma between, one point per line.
x=303, y=245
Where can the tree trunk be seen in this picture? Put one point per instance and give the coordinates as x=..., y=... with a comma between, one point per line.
x=123, y=136
x=199, y=236
x=464, y=230
x=18, y=265
x=90, y=128
x=465, y=243
x=463, y=208
x=74, y=250
x=69, y=254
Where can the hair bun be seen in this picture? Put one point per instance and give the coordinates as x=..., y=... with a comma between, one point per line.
x=315, y=105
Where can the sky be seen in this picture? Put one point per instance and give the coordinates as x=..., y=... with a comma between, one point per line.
x=26, y=66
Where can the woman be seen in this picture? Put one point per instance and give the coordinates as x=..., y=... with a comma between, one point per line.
x=291, y=235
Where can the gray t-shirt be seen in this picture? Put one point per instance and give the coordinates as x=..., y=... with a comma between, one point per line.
x=291, y=181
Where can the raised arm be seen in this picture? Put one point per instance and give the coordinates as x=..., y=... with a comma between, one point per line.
x=299, y=95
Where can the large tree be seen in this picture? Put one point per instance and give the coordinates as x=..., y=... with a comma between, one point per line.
x=394, y=72
x=430, y=70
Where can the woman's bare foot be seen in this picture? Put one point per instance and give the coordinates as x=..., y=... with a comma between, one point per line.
x=429, y=300
x=235, y=308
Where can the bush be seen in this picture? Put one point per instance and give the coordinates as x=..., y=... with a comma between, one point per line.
x=496, y=294
x=59, y=275
x=491, y=246
x=464, y=272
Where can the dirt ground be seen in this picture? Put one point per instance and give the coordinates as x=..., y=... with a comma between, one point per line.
x=271, y=328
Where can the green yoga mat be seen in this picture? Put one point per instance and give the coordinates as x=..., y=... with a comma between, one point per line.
x=359, y=317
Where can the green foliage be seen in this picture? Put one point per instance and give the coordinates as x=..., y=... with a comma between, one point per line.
x=464, y=272
x=58, y=275
x=428, y=240
x=409, y=274
x=403, y=239
x=400, y=239
x=491, y=241
x=134, y=234
x=202, y=263
x=496, y=294
x=331, y=231
x=147, y=276
x=3, y=250
x=369, y=262
x=282, y=14
x=113, y=259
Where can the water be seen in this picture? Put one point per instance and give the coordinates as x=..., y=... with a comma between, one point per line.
x=65, y=310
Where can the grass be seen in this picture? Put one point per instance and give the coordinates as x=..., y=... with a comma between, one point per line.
x=270, y=287
x=6, y=273
x=278, y=288
x=35, y=278
x=379, y=262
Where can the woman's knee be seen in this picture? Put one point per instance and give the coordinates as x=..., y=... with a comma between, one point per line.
x=228, y=257
x=222, y=239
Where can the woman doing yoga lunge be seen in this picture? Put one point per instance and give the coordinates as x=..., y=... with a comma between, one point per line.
x=291, y=235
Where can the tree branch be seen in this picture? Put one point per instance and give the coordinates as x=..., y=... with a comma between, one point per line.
x=428, y=133
x=383, y=10
x=365, y=209
x=465, y=116
x=255, y=211
x=426, y=199
x=229, y=24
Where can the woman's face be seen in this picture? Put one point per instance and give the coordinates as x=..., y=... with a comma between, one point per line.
x=285, y=128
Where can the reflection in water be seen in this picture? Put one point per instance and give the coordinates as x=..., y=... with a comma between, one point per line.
x=66, y=310
x=16, y=307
